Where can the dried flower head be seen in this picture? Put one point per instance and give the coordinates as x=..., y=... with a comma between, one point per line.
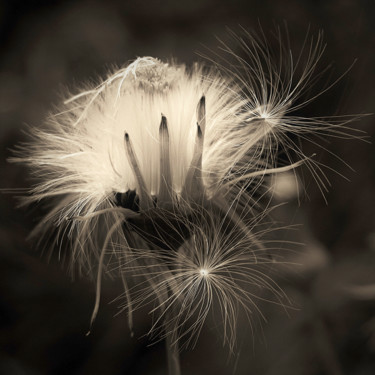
x=158, y=172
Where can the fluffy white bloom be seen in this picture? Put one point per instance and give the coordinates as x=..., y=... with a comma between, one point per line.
x=157, y=171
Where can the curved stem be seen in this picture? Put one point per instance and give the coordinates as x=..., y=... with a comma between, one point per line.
x=173, y=356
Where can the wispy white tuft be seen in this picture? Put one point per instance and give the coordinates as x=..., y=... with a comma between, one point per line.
x=217, y=268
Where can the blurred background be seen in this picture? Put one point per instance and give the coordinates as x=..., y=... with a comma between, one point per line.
x=44, y=315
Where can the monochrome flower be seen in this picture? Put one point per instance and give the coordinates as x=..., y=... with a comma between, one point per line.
x=159, y=172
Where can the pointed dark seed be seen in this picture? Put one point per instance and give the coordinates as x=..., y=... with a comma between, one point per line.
x=165, y=168
x=145, y=199
x=201, y=113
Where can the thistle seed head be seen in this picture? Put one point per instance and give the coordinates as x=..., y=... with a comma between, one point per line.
x=158, y=173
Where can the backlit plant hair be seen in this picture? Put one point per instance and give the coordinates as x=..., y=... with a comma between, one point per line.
x=159, y=175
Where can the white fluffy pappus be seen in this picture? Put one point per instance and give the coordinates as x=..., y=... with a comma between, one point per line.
x=159, y=170
x=217, y=270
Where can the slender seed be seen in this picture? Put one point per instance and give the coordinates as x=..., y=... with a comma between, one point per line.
x=145, y=199
x=201, y=113
x=193, y=186
x=165, y=188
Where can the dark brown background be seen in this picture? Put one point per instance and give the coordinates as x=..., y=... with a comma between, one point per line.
x=46, y=45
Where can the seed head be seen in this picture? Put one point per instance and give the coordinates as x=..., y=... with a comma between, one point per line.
x=157, y=172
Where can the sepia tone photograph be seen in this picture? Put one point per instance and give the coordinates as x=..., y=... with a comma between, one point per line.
x=187, y=187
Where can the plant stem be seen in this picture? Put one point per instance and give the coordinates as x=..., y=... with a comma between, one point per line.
x=173, y=356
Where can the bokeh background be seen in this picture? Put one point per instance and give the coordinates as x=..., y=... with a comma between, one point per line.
x=44, y=315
